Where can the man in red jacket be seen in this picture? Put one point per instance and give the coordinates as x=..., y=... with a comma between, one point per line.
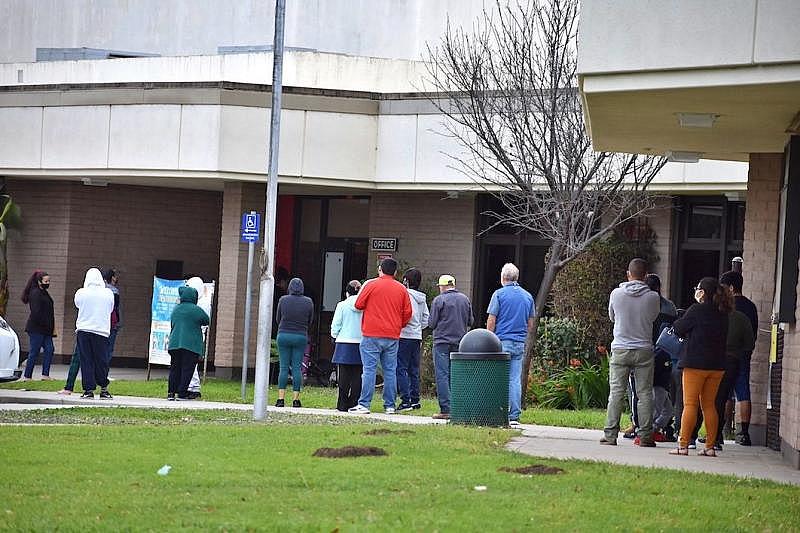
x=387, y=309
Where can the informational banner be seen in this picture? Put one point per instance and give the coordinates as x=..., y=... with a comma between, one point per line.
x=165, y=298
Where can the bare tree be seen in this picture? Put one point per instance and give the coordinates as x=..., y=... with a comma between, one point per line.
x=508, y=91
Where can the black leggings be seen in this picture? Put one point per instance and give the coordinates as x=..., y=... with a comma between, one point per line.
x=349, y=377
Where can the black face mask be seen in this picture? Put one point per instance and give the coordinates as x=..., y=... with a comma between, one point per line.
x=45, y=286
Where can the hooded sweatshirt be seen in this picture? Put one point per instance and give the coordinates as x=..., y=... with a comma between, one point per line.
x=419, y=315
x=186, y=322
x=295, y=312
x=346, y=324
x=633, y=308
x=95, y=304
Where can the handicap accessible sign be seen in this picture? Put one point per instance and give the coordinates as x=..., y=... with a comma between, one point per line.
x=251, y=222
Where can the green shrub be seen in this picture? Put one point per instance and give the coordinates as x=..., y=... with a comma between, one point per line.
x=575, y=387
x=559, y=342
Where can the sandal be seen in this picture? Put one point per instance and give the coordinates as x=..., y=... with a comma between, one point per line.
x=707, y=452
x=679, y=451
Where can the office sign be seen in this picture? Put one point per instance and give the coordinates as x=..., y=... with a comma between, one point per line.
x=383, y=244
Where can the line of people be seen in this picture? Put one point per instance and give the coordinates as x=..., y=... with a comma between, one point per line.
x=675, y=365
x=381, y=324
x=95, y=333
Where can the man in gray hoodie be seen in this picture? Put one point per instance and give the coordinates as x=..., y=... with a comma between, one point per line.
x=633, y=308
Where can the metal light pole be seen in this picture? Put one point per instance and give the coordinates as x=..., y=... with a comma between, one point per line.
x=267, y=283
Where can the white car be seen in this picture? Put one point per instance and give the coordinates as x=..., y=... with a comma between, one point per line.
x=9, y=353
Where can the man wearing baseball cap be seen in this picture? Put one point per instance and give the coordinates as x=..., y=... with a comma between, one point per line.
x=450, y=318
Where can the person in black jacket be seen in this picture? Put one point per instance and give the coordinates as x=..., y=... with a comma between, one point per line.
x=705, y=328
x=41, y=323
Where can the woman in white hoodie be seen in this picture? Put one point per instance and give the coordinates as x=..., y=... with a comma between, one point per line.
x=408, y=350
x=346, y=330
x=95, y=303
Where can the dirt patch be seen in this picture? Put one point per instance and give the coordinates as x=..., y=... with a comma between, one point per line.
x=350, y=451
x=536, y=470
x=384, y=431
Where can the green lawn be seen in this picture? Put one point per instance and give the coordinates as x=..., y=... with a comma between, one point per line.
x=219, y=390
x=231, y=476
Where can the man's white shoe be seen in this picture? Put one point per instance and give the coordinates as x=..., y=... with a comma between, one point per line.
x=358, y=410
x=390, y=410
x=514, y=423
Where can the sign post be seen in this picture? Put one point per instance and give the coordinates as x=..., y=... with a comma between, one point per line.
x=251, y=222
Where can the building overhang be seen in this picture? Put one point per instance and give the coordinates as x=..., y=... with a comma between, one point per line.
x=748, y=110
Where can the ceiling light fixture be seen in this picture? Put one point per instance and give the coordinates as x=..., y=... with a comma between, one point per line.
x=682, y=157
x=94, y=182
x=697, y=120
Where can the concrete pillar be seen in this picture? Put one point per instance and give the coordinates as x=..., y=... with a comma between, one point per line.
x=237, y=198
x=760, y=253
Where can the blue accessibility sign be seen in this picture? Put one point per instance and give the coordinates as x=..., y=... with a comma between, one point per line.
x=251, y=222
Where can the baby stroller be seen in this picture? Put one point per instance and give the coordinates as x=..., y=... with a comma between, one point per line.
x=317, y=371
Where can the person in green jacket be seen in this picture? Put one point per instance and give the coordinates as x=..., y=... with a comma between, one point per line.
x=186, y=345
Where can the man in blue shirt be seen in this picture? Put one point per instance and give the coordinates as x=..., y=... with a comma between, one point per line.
x=511, y=311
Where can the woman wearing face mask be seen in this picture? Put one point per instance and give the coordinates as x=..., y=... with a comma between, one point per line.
x=41, y=323
x=705, y=327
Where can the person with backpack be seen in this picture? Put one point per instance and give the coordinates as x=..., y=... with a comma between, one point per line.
x=186, y=345
x=40, y=325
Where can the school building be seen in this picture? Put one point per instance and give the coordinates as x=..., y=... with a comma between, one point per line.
x=135, y=135
x=719, y=80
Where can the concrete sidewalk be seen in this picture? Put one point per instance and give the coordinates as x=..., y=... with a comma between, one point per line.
x=568, y=443
x=539, y=441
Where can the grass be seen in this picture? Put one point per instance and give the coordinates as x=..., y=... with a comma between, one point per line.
x=219, y=390
x=234, y=476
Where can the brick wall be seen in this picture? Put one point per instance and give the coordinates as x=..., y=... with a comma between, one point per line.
x=40, y=245
x=237, y=198
x=126, y=227
x=760, y=252
x=435, y=234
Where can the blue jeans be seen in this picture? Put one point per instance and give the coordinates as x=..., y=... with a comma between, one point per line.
x=39, y=342
x=516, y=349
x=112, y=340
x=374, y=349
x=441, y=363
x=408, y=370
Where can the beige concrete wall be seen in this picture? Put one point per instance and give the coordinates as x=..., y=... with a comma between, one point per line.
x=660, y=221
x=760, y=251
x=70, y=228
x=435, y=234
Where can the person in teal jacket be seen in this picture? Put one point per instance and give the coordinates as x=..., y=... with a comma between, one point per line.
x=186, y=345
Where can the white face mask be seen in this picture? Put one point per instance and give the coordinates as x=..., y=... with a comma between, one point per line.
x=698, y=295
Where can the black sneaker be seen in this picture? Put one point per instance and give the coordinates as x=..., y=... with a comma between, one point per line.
x=296, y=403
x=743, y=439
x=105, y=395
x=405, y=407
x=629, y=434
x=280, y=403
x=416, y=406
x=718, y=447
x=171, y=396
x=193, y=395
x=87, y=395
x=182, y=398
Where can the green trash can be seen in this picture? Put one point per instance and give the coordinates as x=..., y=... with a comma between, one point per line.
x=479, y=374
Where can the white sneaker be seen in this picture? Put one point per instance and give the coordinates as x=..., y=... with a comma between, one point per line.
x=358, y=410
x=390, y=410
x=514, y=423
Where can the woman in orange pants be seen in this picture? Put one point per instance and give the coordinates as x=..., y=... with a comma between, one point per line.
x=705, y=328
